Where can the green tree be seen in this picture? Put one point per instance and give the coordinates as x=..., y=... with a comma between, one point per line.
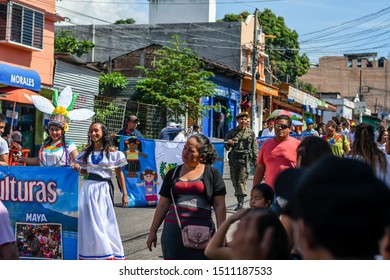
x=125, y=21
x=177, y=81
x=233, y=17
x=283, y=51
x=112, y=83
x=308, y=87
x=65, y=41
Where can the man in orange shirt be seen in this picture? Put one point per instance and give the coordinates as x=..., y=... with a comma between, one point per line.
x=276, y=154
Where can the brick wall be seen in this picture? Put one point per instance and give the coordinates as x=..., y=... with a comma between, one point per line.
x=126, y=64
x=335, y=74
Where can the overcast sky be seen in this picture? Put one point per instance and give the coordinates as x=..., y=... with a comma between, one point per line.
x=325, y=27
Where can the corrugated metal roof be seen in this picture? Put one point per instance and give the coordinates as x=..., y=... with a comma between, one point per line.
x=73, y=59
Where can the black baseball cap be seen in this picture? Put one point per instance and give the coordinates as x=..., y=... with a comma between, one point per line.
x=133, y=119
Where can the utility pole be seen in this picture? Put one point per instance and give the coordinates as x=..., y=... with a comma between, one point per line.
x=376, y=105
x=361, y=85
x=109, y=64
x=254, y=68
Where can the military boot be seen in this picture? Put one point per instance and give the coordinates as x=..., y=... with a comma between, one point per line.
x=240, y=202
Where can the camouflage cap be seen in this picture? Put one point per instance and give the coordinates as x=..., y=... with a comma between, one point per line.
x=242, y=114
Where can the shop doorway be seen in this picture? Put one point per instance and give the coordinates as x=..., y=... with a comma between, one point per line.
x=24, y=122
x=219, y=118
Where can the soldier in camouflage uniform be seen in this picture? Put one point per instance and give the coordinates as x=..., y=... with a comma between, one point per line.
x=243, y=148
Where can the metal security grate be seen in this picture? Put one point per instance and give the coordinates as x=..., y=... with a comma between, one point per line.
x=113, y=112
x=152, y=118
x=110, y=111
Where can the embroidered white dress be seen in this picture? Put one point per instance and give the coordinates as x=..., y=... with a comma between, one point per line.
x=99, y=236
x=55, y=155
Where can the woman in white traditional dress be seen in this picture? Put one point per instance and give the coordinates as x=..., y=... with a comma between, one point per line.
x=99, y=236
x=57, y=151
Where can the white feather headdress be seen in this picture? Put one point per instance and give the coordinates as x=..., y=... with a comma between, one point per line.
x=61, y=109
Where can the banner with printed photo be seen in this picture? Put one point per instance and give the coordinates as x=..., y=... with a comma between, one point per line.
x=43, y=207
x=148, y=162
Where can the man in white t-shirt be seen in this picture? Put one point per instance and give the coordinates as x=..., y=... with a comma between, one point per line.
x=345, y=128
x=8, y=250
x=180, y=137
x=195, y=129
x=4, y=151
x=270, y=131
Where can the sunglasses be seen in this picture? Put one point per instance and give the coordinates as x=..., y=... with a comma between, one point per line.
x=281, y=126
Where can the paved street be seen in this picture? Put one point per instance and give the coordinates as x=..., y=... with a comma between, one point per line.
x=134, y=223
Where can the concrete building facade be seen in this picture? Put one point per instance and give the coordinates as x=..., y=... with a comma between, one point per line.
x=219, y=41
x=181, y=11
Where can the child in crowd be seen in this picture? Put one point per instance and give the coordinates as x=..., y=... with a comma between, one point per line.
x=261, y=198
x=16, y=140
x=15, y=146
x=262, y=195
x=268, y=238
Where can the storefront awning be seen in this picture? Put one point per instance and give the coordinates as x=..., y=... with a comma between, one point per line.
x=285, y=105
x=19, y=77
x=312, y=110
x=261, y=87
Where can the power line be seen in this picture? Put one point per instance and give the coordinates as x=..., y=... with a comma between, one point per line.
x=349, y=23
x=323, y=37
x=162, y=3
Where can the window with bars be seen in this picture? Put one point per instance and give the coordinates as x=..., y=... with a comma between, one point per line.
x=21, y=25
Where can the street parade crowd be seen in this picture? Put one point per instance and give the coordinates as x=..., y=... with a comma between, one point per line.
x=320, y=193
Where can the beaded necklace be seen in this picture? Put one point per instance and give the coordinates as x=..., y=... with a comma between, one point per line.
x=43, y=155
x=52, y=147
x=98, y=159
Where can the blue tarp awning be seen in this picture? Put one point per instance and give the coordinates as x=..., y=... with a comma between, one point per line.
x=19, y=77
